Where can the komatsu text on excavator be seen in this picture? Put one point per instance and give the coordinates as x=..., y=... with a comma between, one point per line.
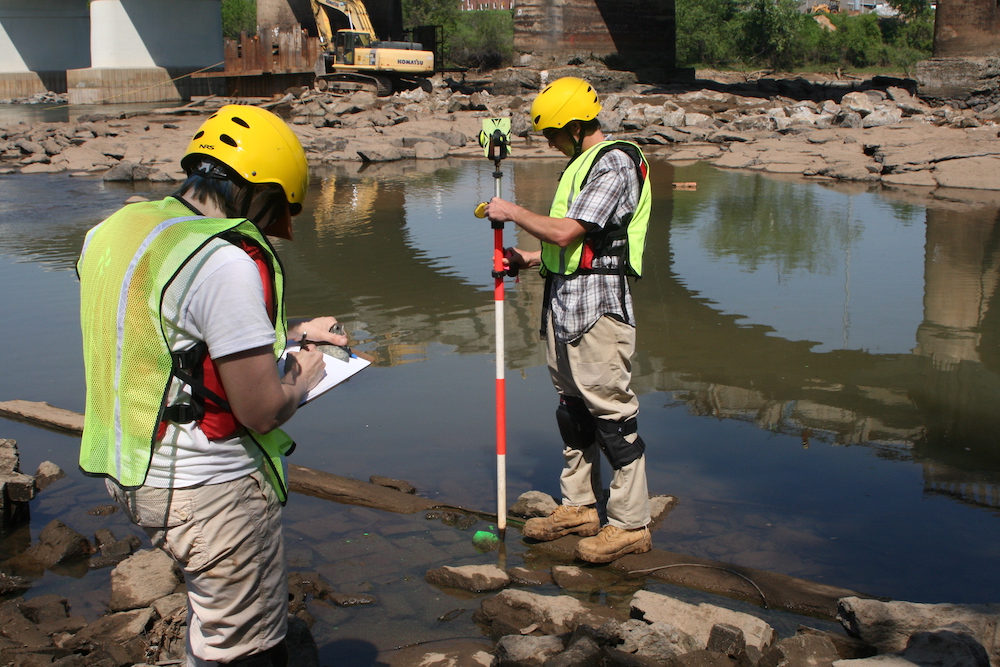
x=353, y=58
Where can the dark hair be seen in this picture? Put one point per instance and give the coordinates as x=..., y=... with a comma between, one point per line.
x=211, y=180
x=202, y=188
x=590, y=126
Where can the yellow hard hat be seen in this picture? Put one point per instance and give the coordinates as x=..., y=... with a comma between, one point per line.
x=256, y=144
x=562, y=101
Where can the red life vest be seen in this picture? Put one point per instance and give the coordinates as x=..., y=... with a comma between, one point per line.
x=210, y=406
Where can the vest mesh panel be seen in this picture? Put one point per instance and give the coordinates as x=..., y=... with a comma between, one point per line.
x=128, y=261
x=566, y=260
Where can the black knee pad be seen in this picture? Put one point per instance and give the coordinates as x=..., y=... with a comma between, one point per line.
x=576, y=424
x=611, y=438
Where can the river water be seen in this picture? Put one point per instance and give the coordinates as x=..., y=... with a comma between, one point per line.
x=817, y=367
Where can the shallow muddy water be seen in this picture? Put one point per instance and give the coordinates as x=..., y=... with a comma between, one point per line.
x=817, y=368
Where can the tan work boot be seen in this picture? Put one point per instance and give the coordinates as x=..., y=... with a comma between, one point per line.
x=613, y=543
x=564, y=520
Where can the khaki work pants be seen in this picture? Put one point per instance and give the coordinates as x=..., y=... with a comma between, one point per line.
x=227, y=540
x=598, y=368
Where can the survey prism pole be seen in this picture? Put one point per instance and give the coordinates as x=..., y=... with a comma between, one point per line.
x=495, y=139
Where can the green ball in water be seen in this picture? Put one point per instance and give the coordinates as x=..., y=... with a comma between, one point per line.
x=484, y=540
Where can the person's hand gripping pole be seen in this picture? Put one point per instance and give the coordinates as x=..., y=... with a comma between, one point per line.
x=495, y=140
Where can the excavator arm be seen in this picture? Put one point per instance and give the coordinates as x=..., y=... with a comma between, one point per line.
x=353, y=10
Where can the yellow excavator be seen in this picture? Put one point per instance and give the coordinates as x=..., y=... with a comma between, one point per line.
x=353, y=58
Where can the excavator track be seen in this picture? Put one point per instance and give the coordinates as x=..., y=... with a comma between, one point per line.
x=349, y=82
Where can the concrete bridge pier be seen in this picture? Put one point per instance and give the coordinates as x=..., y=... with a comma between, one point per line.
x=966, y=62
x=39, y=42
x=143, y=51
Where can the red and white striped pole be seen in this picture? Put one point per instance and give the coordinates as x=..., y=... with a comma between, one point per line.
x=495, y=139
x=501, y=390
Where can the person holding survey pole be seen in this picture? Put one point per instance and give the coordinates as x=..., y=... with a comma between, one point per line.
x=183, y=318
x=592, y=241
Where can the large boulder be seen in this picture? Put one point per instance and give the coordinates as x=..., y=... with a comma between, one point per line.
x=889, y=625
x=57, y=543
x=116, y=640
x=658, y=641
x=531, y=504
x=858, y=103
x=475, y=578
x=141, y=579
x=128, y=171
x=515, y=80
x=526, y=651
x=698, y=620
x=512, y=611
x=16, y=488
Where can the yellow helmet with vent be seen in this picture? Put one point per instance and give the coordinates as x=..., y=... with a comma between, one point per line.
x=257, y=145
x=564, y=100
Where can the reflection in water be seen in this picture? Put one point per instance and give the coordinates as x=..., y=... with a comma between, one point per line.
x=778, y=232
x=11, y=114
x=772, y=222
x=345, y=213
x=782, y=318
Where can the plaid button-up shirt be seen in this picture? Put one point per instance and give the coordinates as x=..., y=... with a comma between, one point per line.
x=577, y=301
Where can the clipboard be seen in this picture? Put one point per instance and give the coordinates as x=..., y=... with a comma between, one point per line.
x=337, y=371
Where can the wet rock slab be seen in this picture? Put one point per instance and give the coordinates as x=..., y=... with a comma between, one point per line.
x=146, y=612
x=475, y=578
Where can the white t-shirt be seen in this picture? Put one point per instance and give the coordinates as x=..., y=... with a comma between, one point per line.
x=218, y=298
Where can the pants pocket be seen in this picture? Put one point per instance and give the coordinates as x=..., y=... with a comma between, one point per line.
x=595, y=374
x=153, y=508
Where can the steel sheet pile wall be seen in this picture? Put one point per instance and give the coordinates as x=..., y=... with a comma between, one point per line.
x=272, y=51
x=640, y=31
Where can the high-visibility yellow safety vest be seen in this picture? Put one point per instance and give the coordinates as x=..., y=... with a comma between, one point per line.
x=127, y=263
x=577, y=257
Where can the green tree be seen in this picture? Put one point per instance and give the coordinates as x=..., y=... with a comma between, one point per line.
x=858, y=41
x=483, y=39
x=775, y=34
x=239, y=16
x=769, y=30
x=911, y=8
x=705, y=31
x=444, y=13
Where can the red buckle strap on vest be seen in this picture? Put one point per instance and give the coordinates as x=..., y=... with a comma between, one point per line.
x=587, y=258
x=210, y=406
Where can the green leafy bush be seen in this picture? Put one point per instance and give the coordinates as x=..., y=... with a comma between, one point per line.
x=769, y=32
x=483, y=39
x=239, y=16
x=713, y=40
x=444, y=13
x=774, y=34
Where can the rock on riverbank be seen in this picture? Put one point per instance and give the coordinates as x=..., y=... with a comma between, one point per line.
x=145, y=617
x=874, y=131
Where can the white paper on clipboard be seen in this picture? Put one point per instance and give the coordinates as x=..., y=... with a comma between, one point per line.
x=336, y=372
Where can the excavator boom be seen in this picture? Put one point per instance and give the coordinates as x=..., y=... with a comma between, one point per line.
x=354, y=10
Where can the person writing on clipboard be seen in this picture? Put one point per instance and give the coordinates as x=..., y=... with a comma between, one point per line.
x=183, y=320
